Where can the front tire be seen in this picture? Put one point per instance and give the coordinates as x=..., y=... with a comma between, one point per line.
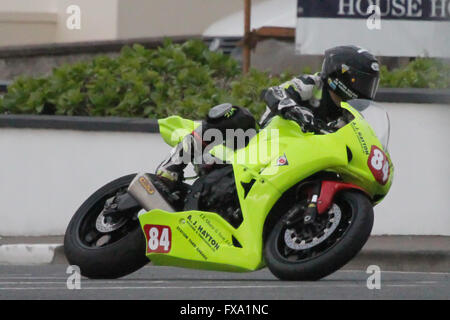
x=321, y=260
x=84, y=246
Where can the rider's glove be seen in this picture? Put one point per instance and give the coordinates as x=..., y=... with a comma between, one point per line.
x=301, y=89
x=337, y=124
x=304, y=85
x=272, y=96
x=303, y=116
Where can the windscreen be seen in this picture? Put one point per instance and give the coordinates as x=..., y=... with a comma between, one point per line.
x=376, y=116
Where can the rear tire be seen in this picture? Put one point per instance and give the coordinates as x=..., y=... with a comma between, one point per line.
x=114, y=260
x=331, y=259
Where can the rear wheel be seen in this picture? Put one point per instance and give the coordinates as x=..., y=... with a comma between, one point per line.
x=100, y=246
x=313, y=251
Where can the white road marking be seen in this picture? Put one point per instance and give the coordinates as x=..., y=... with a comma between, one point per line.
x=402, y=285
x=147, y=288
x=405, y=272
x=63, y=283
x=36, y=278
x=204, y=287
x=327, y=285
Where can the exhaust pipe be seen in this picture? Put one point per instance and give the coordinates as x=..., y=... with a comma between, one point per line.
x=145, y=193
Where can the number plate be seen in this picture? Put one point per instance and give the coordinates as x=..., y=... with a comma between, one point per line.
x=379, y=165
x=159, y=238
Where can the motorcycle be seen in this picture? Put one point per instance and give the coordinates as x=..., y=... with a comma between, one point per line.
x=304, y=209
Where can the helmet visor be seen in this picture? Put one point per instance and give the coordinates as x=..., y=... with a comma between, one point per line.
x=364, y=84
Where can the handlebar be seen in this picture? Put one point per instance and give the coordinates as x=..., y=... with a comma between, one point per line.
x=319, y=127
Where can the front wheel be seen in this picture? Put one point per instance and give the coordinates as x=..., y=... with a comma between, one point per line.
x=101, y=247
x=311, y=252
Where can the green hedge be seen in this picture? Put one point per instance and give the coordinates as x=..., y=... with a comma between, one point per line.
x=420, y=73
x=184, y=79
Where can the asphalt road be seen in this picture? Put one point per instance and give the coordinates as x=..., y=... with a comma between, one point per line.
x=50, y=282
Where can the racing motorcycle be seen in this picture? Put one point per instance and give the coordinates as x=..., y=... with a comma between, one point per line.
x=304, y=209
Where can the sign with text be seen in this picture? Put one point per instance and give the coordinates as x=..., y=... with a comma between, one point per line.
x=384, y=27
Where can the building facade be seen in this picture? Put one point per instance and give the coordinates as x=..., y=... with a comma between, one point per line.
x=25, y=22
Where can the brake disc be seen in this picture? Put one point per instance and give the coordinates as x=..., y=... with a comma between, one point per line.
x=296, y=241
x=104, y=226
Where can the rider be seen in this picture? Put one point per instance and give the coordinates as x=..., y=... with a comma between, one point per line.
x=348, y=72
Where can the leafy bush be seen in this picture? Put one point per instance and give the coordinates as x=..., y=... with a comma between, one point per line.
x=184, y=79
x=420, y=73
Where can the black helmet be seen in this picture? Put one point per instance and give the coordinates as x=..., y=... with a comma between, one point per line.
x=351, y=72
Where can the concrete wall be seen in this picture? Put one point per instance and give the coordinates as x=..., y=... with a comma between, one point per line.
x=419, y=201
x=45, y=175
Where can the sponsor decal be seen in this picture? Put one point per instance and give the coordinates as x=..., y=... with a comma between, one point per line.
x=282, y=161
x=331, y=84
x=379, y=165
x=202, y=234
x=230, y=113
x=375, y=66
x=362, y=141
x=345, y=68
x=209, y=238
x=159, y=238
x=147, y=185
x=345, y=89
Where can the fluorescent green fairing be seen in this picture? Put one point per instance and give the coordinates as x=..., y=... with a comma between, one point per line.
x=204, y=240
x=174, y=128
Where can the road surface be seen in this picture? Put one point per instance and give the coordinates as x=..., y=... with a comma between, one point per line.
x=50, y=282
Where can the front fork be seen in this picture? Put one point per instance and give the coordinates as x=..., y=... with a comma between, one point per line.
x=320, y=198
x=310, y=210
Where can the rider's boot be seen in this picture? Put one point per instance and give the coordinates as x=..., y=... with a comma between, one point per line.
x=170, y=171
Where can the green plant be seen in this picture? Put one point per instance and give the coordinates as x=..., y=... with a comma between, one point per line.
x=420, y=73
x=184, y=79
